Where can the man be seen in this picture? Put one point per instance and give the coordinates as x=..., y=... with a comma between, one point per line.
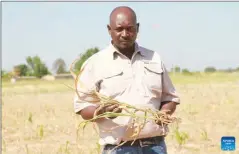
x=132, y=74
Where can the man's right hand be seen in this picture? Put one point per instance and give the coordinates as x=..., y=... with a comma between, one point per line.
x=114, y=108
x=88, y=112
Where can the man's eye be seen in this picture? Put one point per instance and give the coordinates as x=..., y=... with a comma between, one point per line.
x=131, y=29
x=119, y=29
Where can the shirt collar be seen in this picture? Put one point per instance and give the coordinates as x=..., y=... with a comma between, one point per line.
x=115, y=51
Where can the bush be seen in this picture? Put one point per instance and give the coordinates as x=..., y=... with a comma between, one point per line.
x=210, y=69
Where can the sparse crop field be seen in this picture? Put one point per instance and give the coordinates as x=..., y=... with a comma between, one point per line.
x=38, y=117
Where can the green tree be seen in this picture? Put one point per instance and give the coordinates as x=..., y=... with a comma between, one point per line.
x=210, y=69
x=59, y=66
x=176, y=69
x=84, y=57
x=22, y=69
x=38, y=68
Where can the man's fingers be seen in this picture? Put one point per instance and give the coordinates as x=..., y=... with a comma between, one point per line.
x=111, y=108
x=101, y=111
x=117, y=110
x=103, y=108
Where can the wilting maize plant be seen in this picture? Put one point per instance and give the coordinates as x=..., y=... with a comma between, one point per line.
x=159, y=117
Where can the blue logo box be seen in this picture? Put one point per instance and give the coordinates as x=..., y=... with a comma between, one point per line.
x=228, y=143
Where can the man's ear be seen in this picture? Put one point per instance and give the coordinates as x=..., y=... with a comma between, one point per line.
x=137, y=27
x=109, y=29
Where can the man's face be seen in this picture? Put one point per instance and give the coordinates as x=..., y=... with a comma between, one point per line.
x=123, y=30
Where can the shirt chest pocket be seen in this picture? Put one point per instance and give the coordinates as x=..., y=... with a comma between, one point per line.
x=113, y=83
x=152, y=76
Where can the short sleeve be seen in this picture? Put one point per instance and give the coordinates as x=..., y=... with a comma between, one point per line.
x=85, y=86
x=169, y=92
x=79, y=105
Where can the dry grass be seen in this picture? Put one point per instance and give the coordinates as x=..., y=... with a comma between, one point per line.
x=38, y=117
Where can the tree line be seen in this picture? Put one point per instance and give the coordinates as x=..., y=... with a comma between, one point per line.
x=209, y=69
x=34, y=66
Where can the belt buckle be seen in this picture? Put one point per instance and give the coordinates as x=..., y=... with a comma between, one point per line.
x=142, y=144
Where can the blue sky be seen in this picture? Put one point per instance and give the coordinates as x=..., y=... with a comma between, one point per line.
x=191, y=35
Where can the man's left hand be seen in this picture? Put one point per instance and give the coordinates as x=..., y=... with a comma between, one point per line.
x=170, y=107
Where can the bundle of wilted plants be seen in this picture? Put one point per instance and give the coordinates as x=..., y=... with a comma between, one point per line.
x=138, y=120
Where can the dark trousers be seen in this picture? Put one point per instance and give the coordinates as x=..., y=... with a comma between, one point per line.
x=155, y=145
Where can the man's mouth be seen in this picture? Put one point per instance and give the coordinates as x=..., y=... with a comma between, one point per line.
x=125, y=41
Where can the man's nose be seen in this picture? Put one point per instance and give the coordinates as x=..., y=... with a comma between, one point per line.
x=125, y=33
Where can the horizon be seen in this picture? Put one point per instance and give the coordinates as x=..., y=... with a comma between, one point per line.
x=189, y=35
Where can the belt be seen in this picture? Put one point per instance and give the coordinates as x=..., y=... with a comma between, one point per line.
x=142, y=142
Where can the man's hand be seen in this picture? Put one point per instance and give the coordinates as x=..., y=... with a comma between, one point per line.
x=170, y=107
x=167, y=107
x=167, y=117
x=114, y=108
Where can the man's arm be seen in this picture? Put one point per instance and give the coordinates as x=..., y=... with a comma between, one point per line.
x=170, y=99
x=171, y=106
x=82, y=102
x=87, y=113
